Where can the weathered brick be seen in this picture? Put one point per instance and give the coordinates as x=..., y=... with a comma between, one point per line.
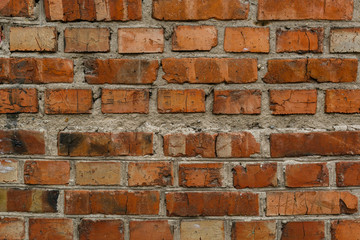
x=345, y=229
x=150, y=174
x=105, y=144
x=209, y=70
x=342, y=101
x=236, y=145
x=310, y=203
x=98, y=173
x=111, y=202
x=300, y=40
x=305, y=9
x=12, y=228
x=237, y=102
x=206, y=229
x=46, y=228
x=303, y=230
x=33, y=39
x=345, y=40
x=347, y=174
x=46, y=172
x=314, y=143
x=284, y=102
x=199, y=10
x=194, y=38
x=121, y=71
x=254, y=230
x=201, y=174
x=286, y=71
x=92, y=10
x=181, y=101
x=87, y=40
x=255, y=175
x=307, y=175
x=140, y=40
x=22, y=142
x=192, y=204
x=90, y=229
x=68, y=101
x=15, y=100
x=8, y=170
x=17, y=8
x=152, y=229
x=125, y=101
x=247, y=39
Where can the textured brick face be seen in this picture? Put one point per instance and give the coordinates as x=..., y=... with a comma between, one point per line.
x=33, y=39
x=87, y=40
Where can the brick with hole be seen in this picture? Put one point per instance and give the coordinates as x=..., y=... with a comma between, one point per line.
x=181, y=101
x=98, y=173
x=140, y=40
x=47, y=172
x=194, y=38
x=255, y=175
x=156, y=229
x=254, y=230
x=90, y=229
x=344, y=40
x=247, y=39
x=303, y=230
x=125, y=101
x=9, y=169
x=19, y=100
x=47, y=228
x=236, y=145
x=205, y=229
x=150, y=174
x=307, y=175
x=69, y=10
x=12, y=228
x=347, y=174
x=345, y=229
x=237, y=102
x=78, y=40
x=201, y=174
x=68, y=101
x=342, y=101
x=17, y=8
x=22, y=142
x=33, y=39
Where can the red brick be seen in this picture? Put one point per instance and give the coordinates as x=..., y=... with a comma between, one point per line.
x=209, y=70
x=192, y=204
x=152, y=229
x=101, y=229
x=181, y=101
x=237, y=102
x=12, y=228
x=345, y=229
x=286, y=71
x=284, y=102
x=125, y=101
x=194, y=38
x=305, y=9
x=46, y=172
x=254, y=230
x=199, y=10
x=314, y=143
x=236, y=145
x=347, y=174
x=9, y=169
x=310, y=203
x=105, y=144
x=150, y=174
x=303, y=231
x=15, y=100
x=300, y=40
x=22, y=142
x=307, y=175
x=70, y=10
x=111, y=202
x=201, y=175
x=33, y=39
x=17, y=8
x=46, y=228
x=98, y=173
x=141, y=40
x=342, y=101
x=87, y=40
x=68, y=101
x=255, y=175
x=247, y=39
x=121, y=71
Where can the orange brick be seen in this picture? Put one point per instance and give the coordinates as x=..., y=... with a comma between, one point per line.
x=46, y=228
x=181, y=101
x=152, y=229
x=247, y=39
x=9, y=170
x=345, y=229
x=237, y=102
x=12, y=228
x=14, y=100
x=87, y=40
x=47, y=172
x=33, y=39
x=101, y=229
x=342, y=101
x=98, y=173
x=347, y=174
x=286, y=71
x=303, y=230
x=236, y=145
x=201, y=175
x=307, y=175
x=68, y=101
x=17, y=8
x=141, y=40
x=150, y=174
x=255, y=175
x=254, y=230
x=193, y=38
x=27, y=142
x=124, y=101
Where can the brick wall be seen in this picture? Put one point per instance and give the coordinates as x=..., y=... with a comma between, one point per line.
x=179, y=119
